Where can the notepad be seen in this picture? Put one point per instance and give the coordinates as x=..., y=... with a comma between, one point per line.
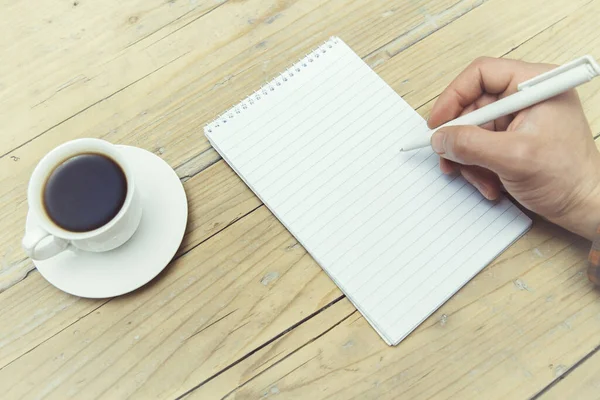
x=319, y=145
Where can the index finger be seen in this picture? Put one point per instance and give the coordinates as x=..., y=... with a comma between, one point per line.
x=497, y=76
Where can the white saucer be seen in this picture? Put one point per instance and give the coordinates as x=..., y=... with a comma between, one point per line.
x=145, y=255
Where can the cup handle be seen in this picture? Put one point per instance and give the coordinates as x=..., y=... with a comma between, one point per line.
x=39, y=249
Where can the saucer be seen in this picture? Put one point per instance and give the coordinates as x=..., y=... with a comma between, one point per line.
x=141, y=258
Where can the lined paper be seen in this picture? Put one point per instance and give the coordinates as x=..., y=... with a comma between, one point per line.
x=319, y=145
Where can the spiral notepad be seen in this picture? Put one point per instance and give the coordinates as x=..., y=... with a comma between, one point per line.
x=319, y=146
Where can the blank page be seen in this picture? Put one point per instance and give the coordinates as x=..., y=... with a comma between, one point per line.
x=319, y=145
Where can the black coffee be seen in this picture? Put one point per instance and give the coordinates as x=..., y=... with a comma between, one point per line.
x=85, y=192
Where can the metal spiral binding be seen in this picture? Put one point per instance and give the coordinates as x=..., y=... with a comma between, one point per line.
x=271, y=86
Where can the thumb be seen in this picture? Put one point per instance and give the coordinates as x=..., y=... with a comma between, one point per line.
x=472, y=145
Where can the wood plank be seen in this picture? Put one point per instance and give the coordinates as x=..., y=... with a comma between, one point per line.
x=210, y=208
x=496, y=338
x=559, y=43
x=231, y=382
x=474, y=38
x=165, y=111
x=32, y=313
x=76, y=368
x=225, y=49
x=228, y=296
x=507, y=338
x=168, y=120
x=182, y=303
x=59, y=58
x=583, y=382
x=324, y=370
x=216, y=199
x=562, y=43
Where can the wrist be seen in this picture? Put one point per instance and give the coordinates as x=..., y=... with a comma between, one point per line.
x=583, y=217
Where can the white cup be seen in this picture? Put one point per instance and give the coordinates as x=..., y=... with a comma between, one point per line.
x=48, y=239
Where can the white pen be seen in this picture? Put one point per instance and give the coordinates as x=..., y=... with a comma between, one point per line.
x=533, y=91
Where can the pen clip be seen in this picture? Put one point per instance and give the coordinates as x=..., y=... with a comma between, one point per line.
x=593, y=69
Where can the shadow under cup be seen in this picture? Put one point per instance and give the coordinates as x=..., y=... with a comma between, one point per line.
x=83, y=192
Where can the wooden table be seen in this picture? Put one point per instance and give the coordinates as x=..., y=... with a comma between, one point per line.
x=243, y=312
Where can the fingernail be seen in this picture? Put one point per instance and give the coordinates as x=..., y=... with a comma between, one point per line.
x=482, y=189
x=437, y=142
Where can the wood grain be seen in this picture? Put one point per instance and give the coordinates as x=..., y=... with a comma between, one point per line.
x=180, y=102
x=246, y=313
x=164, y=112
x=61, y=58
x=213, y=305
x=322, y=382
x=506, y=334
x=583, y=382
x=216, y=199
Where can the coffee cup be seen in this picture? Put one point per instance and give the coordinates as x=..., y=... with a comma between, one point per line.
x=82, y=195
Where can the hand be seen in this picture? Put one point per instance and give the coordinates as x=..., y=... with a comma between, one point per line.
x=544, y=156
